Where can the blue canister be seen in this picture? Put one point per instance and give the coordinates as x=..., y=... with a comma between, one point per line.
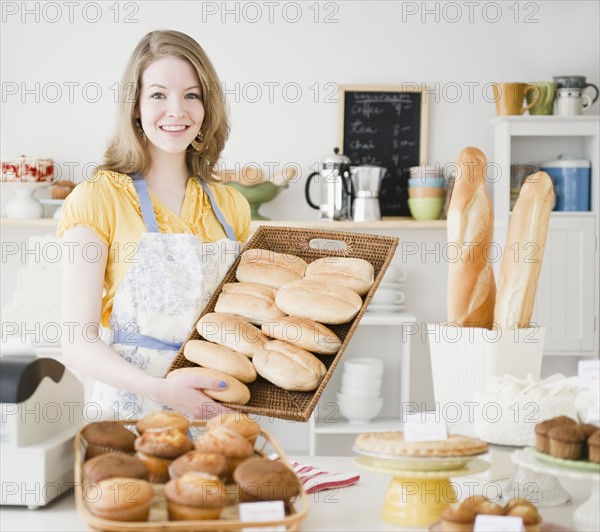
x=572, y=181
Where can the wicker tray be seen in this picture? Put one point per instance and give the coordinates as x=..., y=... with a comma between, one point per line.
x=158, y=519
x=266, y=398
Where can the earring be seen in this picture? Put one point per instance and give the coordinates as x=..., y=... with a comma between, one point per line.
x=140, y=130
x=197, y=142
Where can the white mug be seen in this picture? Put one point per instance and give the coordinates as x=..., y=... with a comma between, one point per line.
x=394, y=274
x=572, y=101
x=387, y=296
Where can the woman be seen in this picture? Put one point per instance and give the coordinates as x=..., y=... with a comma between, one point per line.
x=154, y=230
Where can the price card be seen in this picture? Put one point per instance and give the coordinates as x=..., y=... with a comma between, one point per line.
x=253, y=512
x=498, y=523
x=425, y=426
x=588, y=372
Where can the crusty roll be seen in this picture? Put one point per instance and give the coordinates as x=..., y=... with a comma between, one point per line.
x=356, y=274
x=327, y=303
x=289, y=367
x=236, y=392
x=220, y=358
x=252, y=301
x=471, y=285
x=269, y=268
x=304, y=333
x=231, y=331
x=523, y=252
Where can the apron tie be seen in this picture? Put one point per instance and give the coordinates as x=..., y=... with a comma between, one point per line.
x=135, y=338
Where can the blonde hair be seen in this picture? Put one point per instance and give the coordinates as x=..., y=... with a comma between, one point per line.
x=127, y=152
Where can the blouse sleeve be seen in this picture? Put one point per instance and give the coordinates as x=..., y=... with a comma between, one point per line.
x=88, y=205
x=239, y=209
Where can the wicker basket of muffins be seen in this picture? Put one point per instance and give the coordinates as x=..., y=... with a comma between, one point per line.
x=165, y=473
x=281, y=319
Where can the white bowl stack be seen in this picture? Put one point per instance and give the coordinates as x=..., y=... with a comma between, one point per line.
x=360, y=398
x=389, y=296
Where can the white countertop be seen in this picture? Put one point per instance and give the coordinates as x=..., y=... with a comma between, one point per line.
x=353, y=508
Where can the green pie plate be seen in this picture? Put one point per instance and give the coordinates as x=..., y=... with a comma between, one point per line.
x=580, y=465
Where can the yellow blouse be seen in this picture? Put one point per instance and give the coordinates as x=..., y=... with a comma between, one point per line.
x=109, y=205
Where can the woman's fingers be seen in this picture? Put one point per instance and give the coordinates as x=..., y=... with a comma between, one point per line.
x=194, y=381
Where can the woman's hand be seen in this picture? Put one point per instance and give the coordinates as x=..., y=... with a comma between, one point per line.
x=183, y=393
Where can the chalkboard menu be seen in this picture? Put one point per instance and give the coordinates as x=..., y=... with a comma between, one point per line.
x=385, y=126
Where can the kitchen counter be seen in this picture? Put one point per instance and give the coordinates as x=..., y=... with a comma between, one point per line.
x=352, y=508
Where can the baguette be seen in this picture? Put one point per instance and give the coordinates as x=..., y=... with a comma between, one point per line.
x=523, y=252
x=220, y=358
x=471, y=285
x=269, y=268
x=231, y=331
x=356, y=274
x=307, y=334
x=252, y=301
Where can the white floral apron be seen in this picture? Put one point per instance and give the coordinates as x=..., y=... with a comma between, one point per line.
x=158, y=302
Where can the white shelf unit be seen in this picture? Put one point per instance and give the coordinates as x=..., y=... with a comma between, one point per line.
x=329, y=433
x=568, y=296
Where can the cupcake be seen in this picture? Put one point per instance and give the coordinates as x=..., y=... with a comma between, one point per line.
x=234, y=447
x=567, y=442
x=458, y=518
x=261, y=479
x=532, y=520
x=120, y=499
x=107, y=437
x=594, y=447
x=112, y=465
x=158, y=450
x=588, y=429
x=210, y=463
x=195, y=496
x=542, y=442
x=237, y=421
x=163, y=420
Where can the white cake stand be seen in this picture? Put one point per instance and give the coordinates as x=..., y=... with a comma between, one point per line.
x=586, y=517
x=24, y=205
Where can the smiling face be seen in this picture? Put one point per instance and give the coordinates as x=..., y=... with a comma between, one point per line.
x=170, y=105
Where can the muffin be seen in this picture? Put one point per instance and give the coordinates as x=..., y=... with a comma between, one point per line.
x=237, y=421
x=112, y=465
x=474, y=501
x=532, y=520
x=120, y=499
x=158, y=450
x=489, y=508
x=163, y=420
x=458, y=518
x=517, y=502
x=567, y=442
x=234, y=447
x=542, y=443
x=594, y=447
x=107, y=437
x=195, y=496
x=588, y=429
x=261, y=479
x=210, y=463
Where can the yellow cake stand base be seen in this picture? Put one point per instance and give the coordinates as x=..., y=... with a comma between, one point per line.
x=418, y=498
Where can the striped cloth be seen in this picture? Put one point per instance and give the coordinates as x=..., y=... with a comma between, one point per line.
x=314, y=479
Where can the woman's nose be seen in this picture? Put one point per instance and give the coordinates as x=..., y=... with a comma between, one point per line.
x=176, y=109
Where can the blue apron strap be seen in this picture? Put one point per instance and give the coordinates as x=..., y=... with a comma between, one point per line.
x=228, y=229
x=137, y=339
x=145, y=203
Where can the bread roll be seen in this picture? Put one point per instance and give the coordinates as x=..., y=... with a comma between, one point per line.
x=523, y=252
x=220, y=358
x=327, y=303
x=252, y=301
x=231, y=331
x=289, y=367
x=304, y=333
x=236, y=391
x=269, y=268
x=356, y=274
x=471, y=285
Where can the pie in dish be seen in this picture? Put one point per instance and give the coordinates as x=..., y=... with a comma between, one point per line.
x=393, y=443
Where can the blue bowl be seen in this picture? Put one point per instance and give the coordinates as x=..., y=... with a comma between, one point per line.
x=437, y=182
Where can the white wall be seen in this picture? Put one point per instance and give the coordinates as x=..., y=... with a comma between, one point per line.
x=366, y=43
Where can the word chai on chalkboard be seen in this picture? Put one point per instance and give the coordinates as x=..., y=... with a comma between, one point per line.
x=385, y=126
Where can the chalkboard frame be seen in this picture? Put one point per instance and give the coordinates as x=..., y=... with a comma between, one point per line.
x=407, y=87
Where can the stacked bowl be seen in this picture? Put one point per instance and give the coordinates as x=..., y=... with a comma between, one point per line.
x=426, y=192
x=360, y=398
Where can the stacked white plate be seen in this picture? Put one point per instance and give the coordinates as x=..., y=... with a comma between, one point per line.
x=389, y=296
x=360, y=398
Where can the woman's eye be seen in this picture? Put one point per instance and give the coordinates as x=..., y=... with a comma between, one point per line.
x=157, y=95
x=193, y=96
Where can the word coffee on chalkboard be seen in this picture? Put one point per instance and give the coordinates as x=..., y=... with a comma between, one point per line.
x=385, y=126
